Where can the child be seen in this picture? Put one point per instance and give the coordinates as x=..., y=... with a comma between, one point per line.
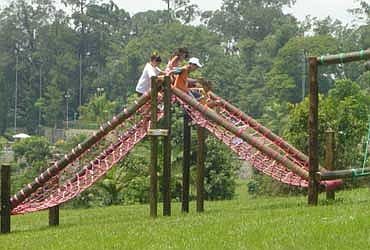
x=177, y=57
x=151, y=69
x=182, y=80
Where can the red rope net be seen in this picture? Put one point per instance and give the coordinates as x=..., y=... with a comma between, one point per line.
x=89, y=167
x=256, y=158
x=94, y=163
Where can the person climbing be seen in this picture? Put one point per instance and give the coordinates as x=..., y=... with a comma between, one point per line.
x=182, y=80
x=175, y=60
x=151, y=69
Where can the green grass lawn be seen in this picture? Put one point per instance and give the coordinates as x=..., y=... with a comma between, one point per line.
x=243, y=223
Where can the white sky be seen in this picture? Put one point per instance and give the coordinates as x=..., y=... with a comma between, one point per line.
x=337, y=9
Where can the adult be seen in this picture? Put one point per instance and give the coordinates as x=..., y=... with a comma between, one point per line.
x=151, y=69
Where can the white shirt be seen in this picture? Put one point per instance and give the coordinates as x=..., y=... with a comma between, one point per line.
x=143, y=84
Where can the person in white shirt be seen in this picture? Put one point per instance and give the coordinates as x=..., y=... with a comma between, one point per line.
x=151, y=69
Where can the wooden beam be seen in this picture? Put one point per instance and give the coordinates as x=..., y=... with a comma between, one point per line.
x=329, y=158
x=54, y=216
x=343, y=174
x=167, y=148
x=154, y=150
x=201, y=154
x=5, y=198
x=313, y=184
x=344, y=57
x=186, y=164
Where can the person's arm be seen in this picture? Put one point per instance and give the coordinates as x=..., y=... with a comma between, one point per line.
x=160, y=72
x=173, y=62
x=176, y=71
x=191, y=82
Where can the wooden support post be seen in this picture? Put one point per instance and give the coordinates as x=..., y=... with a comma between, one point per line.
x=200, y=168
x=167, y=148
x=186, y=164
x=54, y=216
x=313, y=184
x=329, y=158
x=5, y=198
x=54, y=212
x=154, y=151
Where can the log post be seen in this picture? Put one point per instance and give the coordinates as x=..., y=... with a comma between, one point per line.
x=167, y=148
x=313, y=184
x=54, y=216
x=154, y=151
x=5, y=198
x=329, y=158
x=200, y=168
x=186, y=164
x=54, y=211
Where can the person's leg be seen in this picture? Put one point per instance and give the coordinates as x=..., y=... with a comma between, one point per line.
x=195, y=94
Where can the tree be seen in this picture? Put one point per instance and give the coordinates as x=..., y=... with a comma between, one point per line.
x=34, y=151
x=182, y=10
x=99, y=109
x=345, y=110
x=285, y=77
x=51, y=105
x=247, y=18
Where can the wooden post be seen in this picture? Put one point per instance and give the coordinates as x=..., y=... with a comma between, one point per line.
x=5, y=198
x=54, y=216
x=313, y=184
x=167, y=148
x=54, y=212
x=154, y=151
x=186, y=164
x=200, y=168
x=329, y=158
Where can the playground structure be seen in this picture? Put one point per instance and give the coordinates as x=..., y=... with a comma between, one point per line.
x=251, y=141
x=316, y=175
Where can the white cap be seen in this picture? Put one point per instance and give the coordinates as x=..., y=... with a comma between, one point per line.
x=195, y=61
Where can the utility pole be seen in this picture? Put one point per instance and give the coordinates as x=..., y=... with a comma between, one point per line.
x=168, y=11
x=67, y=96
x=304, y=73
x=40, y=95
x=16, y=90
x=80, y=91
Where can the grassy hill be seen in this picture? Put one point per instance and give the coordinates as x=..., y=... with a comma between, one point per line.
x=243, y=223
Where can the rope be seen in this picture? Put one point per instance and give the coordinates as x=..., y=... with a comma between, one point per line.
x=90, y=166
x=366, y=148
x=256, y=158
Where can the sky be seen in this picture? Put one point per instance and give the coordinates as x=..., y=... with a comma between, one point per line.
x=337, y=9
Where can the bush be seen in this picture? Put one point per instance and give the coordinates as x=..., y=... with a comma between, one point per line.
x=220, y=176
x=261, y=184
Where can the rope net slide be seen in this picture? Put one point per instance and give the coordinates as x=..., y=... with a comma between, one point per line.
x=251, y=141
x=112, y=143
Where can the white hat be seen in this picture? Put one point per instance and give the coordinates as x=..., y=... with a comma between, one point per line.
x=195, y=61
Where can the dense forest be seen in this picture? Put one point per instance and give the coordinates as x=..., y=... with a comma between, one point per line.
x=81, y=63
